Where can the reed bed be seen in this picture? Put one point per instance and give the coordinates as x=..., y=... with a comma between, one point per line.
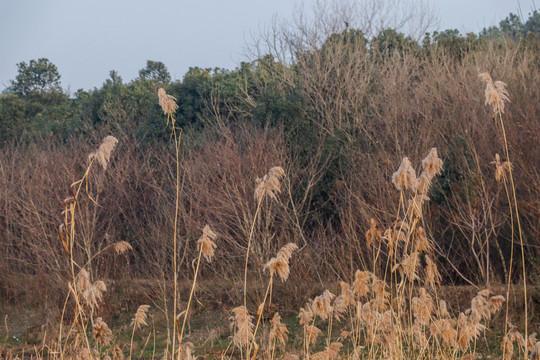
x=391, y=309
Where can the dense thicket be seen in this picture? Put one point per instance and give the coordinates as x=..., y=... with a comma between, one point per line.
x=339, y=119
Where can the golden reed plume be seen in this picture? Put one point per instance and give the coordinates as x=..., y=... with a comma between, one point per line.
x=167, y=102
x=280, y=263
x=140, y=316
x=102, y=333
x=270, y=183
x=242, y=322
x=206, y=243
x=278, y=331
x=496, y=93
x=405, y=176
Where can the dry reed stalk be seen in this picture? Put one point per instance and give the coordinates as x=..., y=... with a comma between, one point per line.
x=270, y=184
x=82, y=289
x=206, y=248
x=169, y=106
x=496, y=96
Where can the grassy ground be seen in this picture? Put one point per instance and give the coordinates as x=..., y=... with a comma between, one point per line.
x=26, y=328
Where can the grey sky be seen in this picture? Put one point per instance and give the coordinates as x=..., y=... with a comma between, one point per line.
x=86, y=39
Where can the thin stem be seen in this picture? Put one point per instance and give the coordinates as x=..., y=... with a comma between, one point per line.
x=259, y=316
x=248, y=248
x=189, y=303
x=511, y=177
x=175, y=232
x=131, y=342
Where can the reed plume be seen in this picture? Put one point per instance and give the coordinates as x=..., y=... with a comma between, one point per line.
x=83, y=281
x=432, y=164
x=432, y=275
x=405, y=176
x=445, y=330
x=140, y=317
x=422, y=307
x=494, y=304
x=102, y=333
x=206, y=243
x=117, y=353
x=278, y=331
x=421, y=241
x=343, y=301
x=290, y=356
x=322, y=304
x=373, y=233
x=167, y=102
x=94, y=294
x=535, y=353
x=187, y=351
x=496, y=93
x=312, y=333
x=242, y=323
x=360, y=287
x=501, y=168
x=408, y=267
x=305, y=315
x=122, y=246
x=531, y=341
x=280, y=263
x=103, y=153
x=91, y=293
x=270, y=183
x=330, y=353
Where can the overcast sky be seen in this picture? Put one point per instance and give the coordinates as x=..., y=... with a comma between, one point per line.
x=86, y=39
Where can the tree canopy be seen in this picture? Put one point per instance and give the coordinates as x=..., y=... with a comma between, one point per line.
x=36, y=78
